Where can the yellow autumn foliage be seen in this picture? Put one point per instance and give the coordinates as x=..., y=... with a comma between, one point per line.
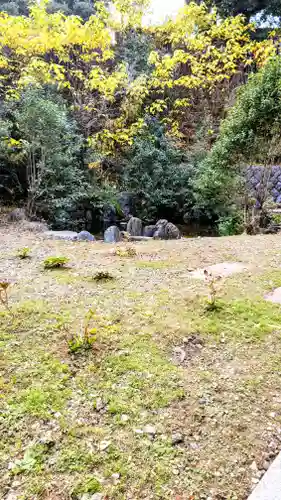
x=196, y=51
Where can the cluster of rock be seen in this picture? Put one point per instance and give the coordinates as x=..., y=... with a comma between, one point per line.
x=162, y=230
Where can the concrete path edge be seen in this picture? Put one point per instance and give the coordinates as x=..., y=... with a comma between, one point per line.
x=269, y=488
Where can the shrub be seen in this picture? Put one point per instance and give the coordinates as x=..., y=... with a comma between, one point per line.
x=211, y=281
x=103, y=276
x=47, y=159
x=55, y=262
x=230, y=225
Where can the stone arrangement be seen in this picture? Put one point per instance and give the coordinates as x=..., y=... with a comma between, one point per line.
x=132, y=230
x=162, y=230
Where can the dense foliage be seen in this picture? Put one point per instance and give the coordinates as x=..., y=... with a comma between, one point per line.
x=248, y=7
x=46, y=160
x=108, y=104
x=158, y=175
x=249, y=136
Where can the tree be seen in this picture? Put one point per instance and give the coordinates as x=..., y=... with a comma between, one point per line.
x=49, y=148
x=250, y=135
x=247, y=8
x=158, y=175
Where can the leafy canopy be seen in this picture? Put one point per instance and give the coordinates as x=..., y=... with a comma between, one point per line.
x=250, y=135
x=193, y=55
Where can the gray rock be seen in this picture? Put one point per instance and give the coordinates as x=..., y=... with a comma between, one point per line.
x=134, y=226
x=166, y=231
x=100, y=404
x=112, y=235
x=61, y=235
x=172, y=232
x=12, y=496
x=149, y=231
x=160, y=232
x=177, y=438
x=85, y=236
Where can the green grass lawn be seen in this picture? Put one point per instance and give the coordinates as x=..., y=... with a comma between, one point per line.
x=122, y=413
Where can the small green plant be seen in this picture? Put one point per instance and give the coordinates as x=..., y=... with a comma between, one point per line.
x=55, y=262
x=230, y=225
x=24, y=253
x=276, y=218
x=31, y=461
x=211, y=281
x=85, y=339
x=127, y=251
x=90, y=485
x=103, y=276
x=4, y=299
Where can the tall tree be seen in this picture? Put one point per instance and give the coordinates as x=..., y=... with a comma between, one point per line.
x=247, y=7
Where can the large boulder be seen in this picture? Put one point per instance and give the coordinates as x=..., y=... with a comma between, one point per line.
x=166, y=231
x=149, y=231
x=172, y=232
x=134, y=226
x=112, y=235
x=85, y=236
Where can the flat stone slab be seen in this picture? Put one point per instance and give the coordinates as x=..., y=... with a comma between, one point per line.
x=223, y=269
x=274, y=297
x=269, y=488
x=61, y=235
x=140, y=238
